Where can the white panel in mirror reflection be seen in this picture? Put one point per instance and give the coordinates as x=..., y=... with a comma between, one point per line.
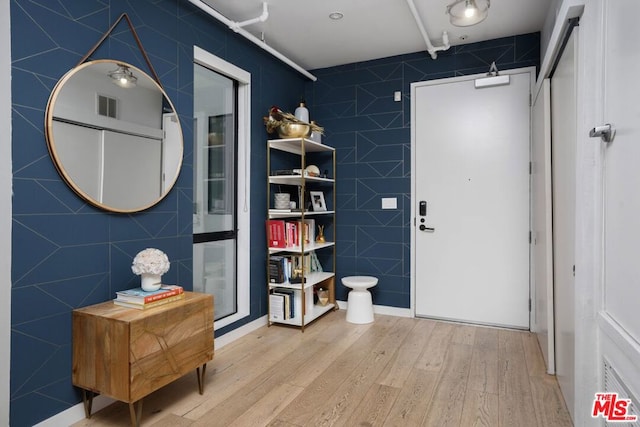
x=82, y=149
x=134, y=173
x=214, y=267
x=141, y=116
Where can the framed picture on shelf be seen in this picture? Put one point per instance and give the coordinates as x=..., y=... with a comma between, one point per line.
x=318, y=203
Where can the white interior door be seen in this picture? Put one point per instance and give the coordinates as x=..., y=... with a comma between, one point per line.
x=471, y=167
x=622, y=179
x=563, y=155
x=619, y=320
x=542, y=239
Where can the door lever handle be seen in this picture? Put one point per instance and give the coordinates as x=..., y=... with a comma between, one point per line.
x=425, y=228
x=606, y=132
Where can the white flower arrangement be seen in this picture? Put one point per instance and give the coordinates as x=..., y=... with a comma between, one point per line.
x=150, y=261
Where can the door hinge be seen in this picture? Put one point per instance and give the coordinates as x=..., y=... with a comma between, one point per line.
x=529, y=305
x=530, y=100
x=530, y=168
x=529, y=236
x=574, y=270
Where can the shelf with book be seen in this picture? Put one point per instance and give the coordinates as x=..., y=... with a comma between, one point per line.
x=311, y=279
x=288, y=213
x=304, y=230
x=318, y=310
x=299, y=249
x=298, y=146
x=295, y=179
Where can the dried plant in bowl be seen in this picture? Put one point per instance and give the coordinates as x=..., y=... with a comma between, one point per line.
x=286, y=125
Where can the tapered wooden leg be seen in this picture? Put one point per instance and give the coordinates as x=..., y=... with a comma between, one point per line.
x=87, y=400
x=201, y=378
x=135, y=413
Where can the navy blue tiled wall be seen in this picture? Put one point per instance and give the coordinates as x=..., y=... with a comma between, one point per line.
x=372, y=135
x=68, y=254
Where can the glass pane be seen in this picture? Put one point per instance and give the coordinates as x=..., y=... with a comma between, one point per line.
x=215, y=151
x=216, y=274
x=214, y=261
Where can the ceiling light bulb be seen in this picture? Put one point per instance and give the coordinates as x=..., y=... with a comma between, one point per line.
x=336, y=15
x=463, y=13
x=470, y=10
x=123, y=76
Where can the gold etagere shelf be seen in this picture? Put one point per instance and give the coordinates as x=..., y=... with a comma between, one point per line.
x=306, y=311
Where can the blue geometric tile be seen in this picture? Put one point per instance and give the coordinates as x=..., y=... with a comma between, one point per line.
x=78, y=292
x=67, y=262
x=42, y=304
x=36, y=353
x=527, y=47
x=69, y=229
x=379, y=169
x=41, y=328
x=60, y=390
x=387, y=136
x=387, y=72
x=60, y=198
x=388, y=120
x=29, y=249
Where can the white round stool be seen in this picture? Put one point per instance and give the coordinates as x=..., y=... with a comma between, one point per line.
x=359, y=303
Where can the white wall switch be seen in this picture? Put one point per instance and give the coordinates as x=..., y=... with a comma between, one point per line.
x=397, y=96
x=389, y=203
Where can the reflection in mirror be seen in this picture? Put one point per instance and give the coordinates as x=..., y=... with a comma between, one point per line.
x=119, y=146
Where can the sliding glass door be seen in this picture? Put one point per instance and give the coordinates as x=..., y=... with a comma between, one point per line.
x=215, y=222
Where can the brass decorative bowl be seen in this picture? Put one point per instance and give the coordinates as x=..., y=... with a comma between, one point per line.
x=293, y=130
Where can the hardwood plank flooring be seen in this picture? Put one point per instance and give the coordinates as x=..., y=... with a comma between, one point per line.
x=393, y=372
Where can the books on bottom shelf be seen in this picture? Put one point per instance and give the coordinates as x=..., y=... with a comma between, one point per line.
x=140, y=299
x=283, y=304
x=286, y=304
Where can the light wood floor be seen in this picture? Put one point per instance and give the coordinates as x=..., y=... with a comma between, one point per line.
x=393, y=372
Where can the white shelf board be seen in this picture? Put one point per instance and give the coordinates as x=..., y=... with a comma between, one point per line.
x=297, y=179
x=294, y=145
x=318, y=310
x=297, y=249
x=312, y=279
x=275, y=213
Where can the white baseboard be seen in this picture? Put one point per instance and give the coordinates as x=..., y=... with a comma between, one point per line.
x=383, y=309
x=237, y=333
x=75, y=413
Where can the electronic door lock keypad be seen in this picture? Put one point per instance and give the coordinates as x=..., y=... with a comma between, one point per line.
x=423, y=208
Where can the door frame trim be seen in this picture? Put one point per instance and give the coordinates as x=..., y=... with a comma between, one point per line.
x=414, y=87
x=243, y=210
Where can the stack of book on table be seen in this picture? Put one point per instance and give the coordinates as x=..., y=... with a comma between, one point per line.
x=141, y=300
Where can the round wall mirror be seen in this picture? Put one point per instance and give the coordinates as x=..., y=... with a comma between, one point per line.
x=114, y=136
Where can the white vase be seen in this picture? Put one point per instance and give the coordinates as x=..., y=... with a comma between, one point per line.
x=150, y=282
x=302, y=113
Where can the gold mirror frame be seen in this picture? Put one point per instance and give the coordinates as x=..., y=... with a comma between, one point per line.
x=74, y=168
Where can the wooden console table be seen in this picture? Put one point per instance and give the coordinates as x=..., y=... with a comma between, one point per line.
x=126, y=354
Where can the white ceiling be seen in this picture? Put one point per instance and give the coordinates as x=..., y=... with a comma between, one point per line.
x=371, y=29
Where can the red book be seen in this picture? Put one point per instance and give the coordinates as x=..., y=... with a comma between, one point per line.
x=276, y=236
